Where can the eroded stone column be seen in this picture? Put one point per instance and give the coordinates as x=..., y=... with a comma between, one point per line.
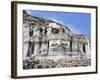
x=36, y=48
x=74, y=47
x=88, y=50
x=44, y=48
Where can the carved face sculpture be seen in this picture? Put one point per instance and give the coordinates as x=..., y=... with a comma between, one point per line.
x=55, y=31
x=61, y=30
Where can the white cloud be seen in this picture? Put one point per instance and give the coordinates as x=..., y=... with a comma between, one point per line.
x=74, y=29
x=56, y=20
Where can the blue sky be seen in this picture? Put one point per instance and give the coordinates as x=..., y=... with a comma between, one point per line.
x=79, y=23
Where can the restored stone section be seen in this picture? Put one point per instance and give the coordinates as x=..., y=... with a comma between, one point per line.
x=42, y=38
